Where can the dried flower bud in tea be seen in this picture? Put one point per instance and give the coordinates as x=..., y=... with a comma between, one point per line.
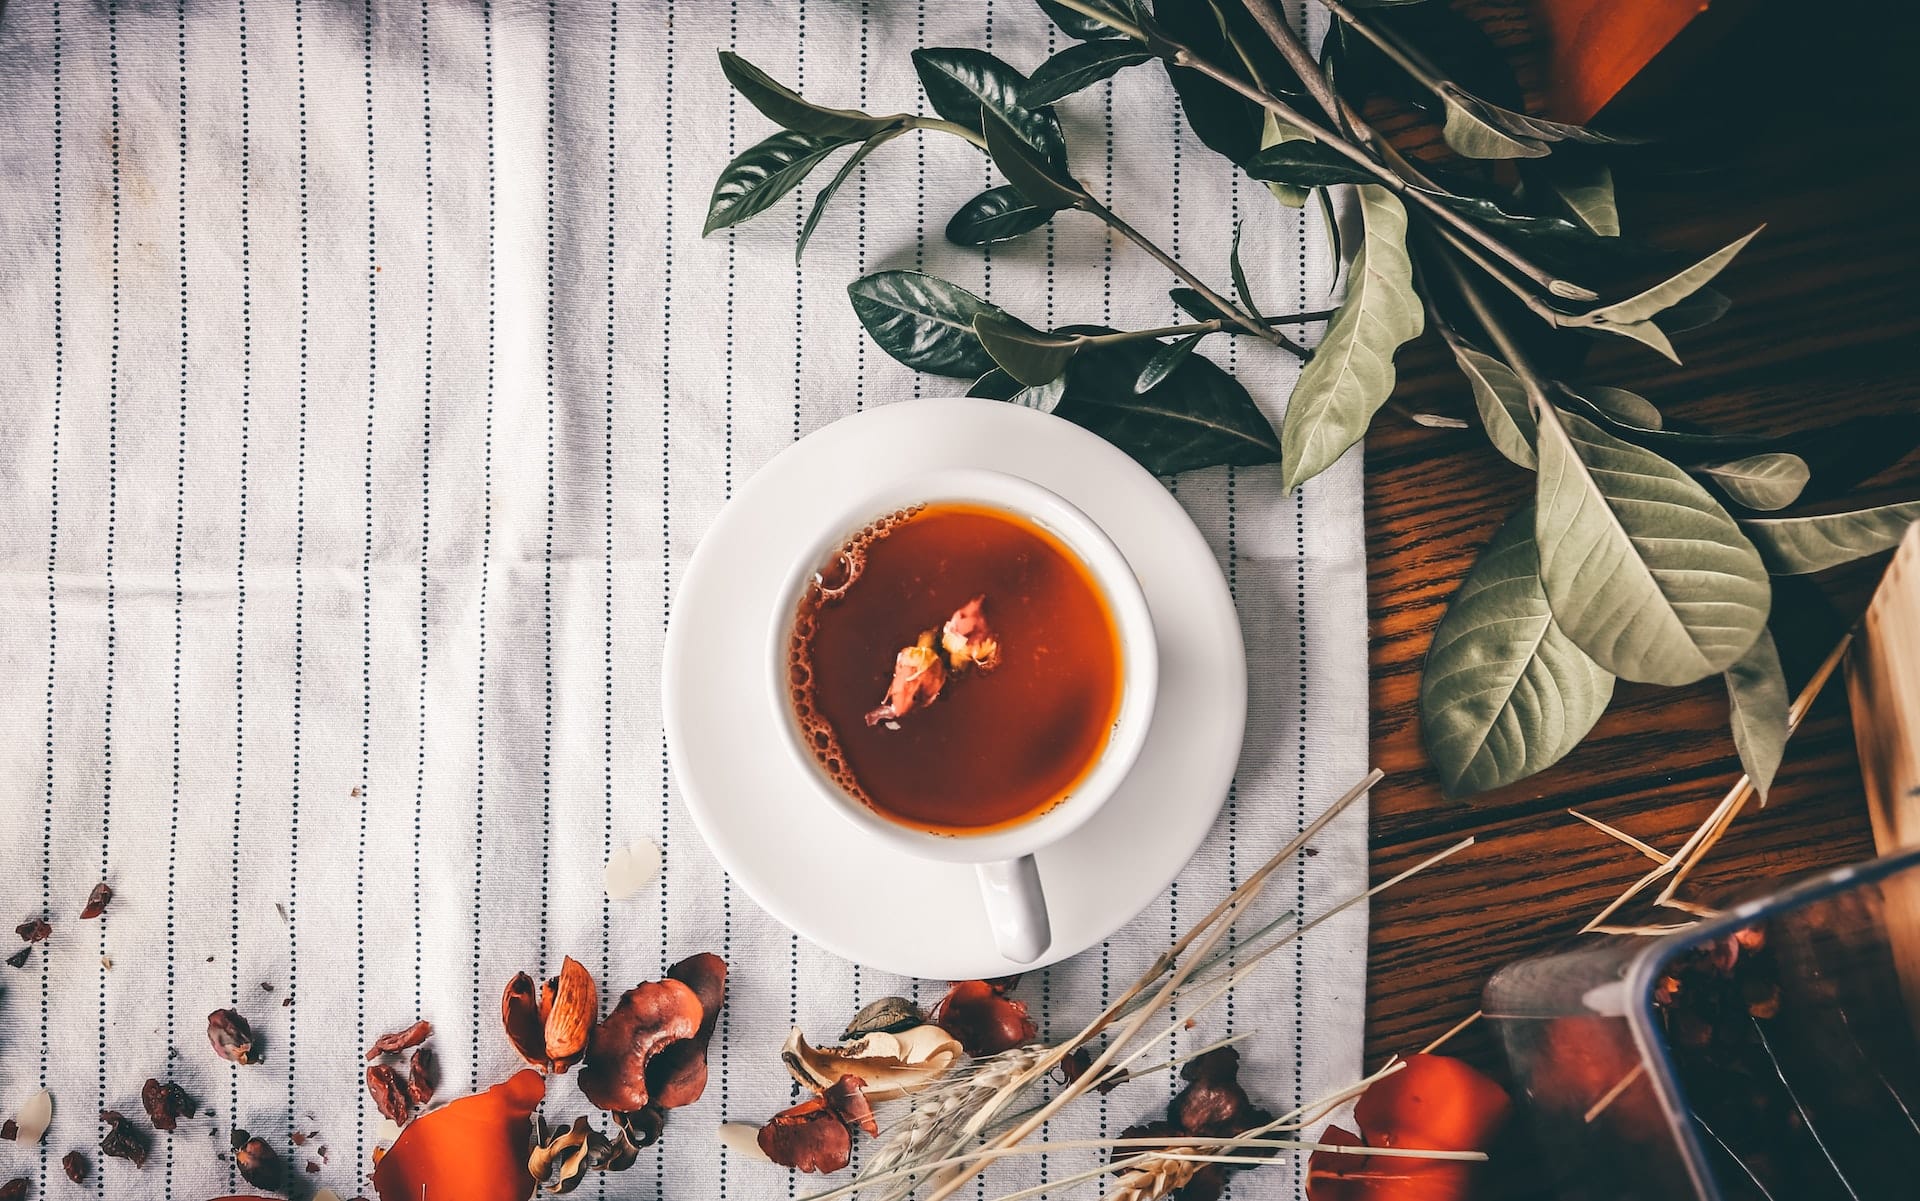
x=77, y=1166
x=123, y=1139
x=918, y=676
x=258, y=1162
x=232, y=1037
x=389, y=1093
x=97, y=901
x=968, y=639
x=400, y=1040
x=166, y=1104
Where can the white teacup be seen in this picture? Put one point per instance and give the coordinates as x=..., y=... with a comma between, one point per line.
x=1003, y=857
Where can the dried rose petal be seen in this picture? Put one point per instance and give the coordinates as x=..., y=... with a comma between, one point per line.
x=97, y=901
x=968, y=640
x=34, y=930
x=123, y=1139
x=520, y=1014
x=15, y=1189
x=389, y=1093
x=678, y=1074
x=77, y=1166
x=258, y=1162
x=808, y=1137
x=166, y=1104
x=649, y=1017
x=847, y=1098
x=232, y=1037
x=400, y=1040
x=1434, y=1103
x=918, y=676
x=984, y=1018
x=473, y=1148
x=421, y=1076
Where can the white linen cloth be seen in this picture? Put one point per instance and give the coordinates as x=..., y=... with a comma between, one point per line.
x=366, y=385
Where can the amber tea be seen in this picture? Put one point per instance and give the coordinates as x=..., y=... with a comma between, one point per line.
x=955, y=668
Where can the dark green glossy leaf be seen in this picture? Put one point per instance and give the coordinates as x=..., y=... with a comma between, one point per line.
x=1240, y=286
x=998, y=385
x=1225, y=34
x=763, y=173
x=1505, y=693
x=1304, y=164
x=1032, y=357
x=1080, y=25
x=1078, y=67
x=1199, y=416
x=1165, y=361
x=825, y=194
x=790, y=110
x=1040, y=181
x=922, y=320
x=994, y=216
x=960, y=81
x=1197, y=306
x=1799, y=545
x=1758, y=705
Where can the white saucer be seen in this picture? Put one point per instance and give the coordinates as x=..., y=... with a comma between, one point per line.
x=812, y=868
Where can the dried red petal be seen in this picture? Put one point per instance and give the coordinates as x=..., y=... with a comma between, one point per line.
x=847, y=1098
x=1213, y=1102
x=422, y=1075
x=1338, y=1176
x=809, y=1137
x=1435, y=1103
x=400, y=1040
x=474, y=1148
x=389, y=1093
x=678, y=1074
x=231, y=1036
x=984, y=1018
x=918, y=676
x=97, y=901
x=77, y=1166
x=34, y=930
x=123, y=1139
x=520, y=1014
x=15, y=1189
x=258, y=1162
x=166, y=1104
x=648, y=1017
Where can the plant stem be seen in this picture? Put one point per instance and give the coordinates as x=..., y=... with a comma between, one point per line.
x=1297, y=55
x=1212, y=325
x=1407, y=59
x=957, y=130
x=1193, y=281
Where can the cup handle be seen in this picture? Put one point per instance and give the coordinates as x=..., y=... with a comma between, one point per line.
x=1016, y=907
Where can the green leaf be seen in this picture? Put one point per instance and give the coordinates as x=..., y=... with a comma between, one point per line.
x=1197, y=306
x=922, y=320
x=1647, y=333
x=960, y=81
x=1080, y=25
x=1274, y=132
x=763, y=173
x=1079, y=67
x=1645, y=570
x=1040, y=181
x=1624, y=407
x=1240, y=285
x=1505, y=693
x=1502, y=402
x=1304, y=164
x=1799, y=545
x=998, y=385
x=1549, y=233
x=1030, y=356
x=1662, y=295
x=1477, y=129
x=833, y=185
x=1703, y=308
x=1757, y=700
x=1199, y=416
x=1165, y=361
x=1586, y=189
x=1330, y=222
x=996, y=215
x=790, y=110
x=1351, y=372
x=1765, y=481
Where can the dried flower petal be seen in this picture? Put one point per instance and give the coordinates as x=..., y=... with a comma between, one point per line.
x=33, y=1118
x=15, y=1189
x=648, y=1017
x=389, y=1093
x=808, y=1137
x=558, y=1159
x=893, y=1065
x=166, y=1104
x=400, y=1040
x=97, y=901
x=474, y=1148
x=123, y=1139
x=678, y=1075
x=520, y=1014
x=918, y=676
x=77, y=1166
x=847, y=1098
x=34, y=930
x=231, y=1036
x=968, y=640
x=984, y=1018
x=743, y=1140
x=422, y=1075
x=888, y=1015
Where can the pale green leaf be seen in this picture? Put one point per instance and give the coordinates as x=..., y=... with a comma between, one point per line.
x=1647, y=333
x=1478, y=129
x=1628, y=408
x=1799, y=545
x=1667, y=293
x=1502, y=402
x=1587, y=191
x=1505, y=693
x=1644, y=569
x=1757, y=700
x=1351, y=372
x=1772, y=480
x=1031, y=356
x=1274, y=131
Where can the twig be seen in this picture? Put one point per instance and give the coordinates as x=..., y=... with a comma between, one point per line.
x=1657, y=856
x=1613, y=1094
x=1457, y=1027
x=1245, y=322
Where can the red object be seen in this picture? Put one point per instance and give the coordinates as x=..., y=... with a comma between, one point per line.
x=984, y=1018
x=1434, y=1103
x=474, y=1148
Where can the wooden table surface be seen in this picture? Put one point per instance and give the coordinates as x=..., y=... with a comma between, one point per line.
x=1826, y=322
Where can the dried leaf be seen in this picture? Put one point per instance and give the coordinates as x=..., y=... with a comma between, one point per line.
x=647, y=1018
x=892, y=1064
x=232, y=1038
x=400, y=1040
x=97, y=901
x=888, y=1015
x=1758, y=704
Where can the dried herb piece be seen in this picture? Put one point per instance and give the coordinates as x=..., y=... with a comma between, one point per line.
x=389, y=1093
x=77, y=1166
x=166, y=1104
x=258, y=1162
x=123, y=1139
x=422, y=1075
x=231, y=1035
x=888, y=1015
x=19, y=957
x=558, y=1158
x=15, y=1189
x=641, y=1127
x=648, y=1018
x=808, y=1137
x=34, y=930
x=473, y=1148
x=9, y=1130
x=968, y=640
x=893, y=1065
x=551, y=1032
x=678, y=1074
x=400, y=1040
x=984, y=1018
x=847, y=1097
x=97, y=901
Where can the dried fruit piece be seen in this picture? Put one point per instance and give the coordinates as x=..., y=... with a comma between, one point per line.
x=1435, y=1103
x=231, y=1036
x=1214, y=1103
x=97, y=901
x=473, y=1148
x=421, y=1076
x=166, y=1104
x=984, y=1018
x=34, y=930
x=678, y=1074
x=520, y=1014
x=123, y=1139
x=648, y=1018
x=888, y=1015
x=918, y=676
x=77, y=1166
x=808, y=1137
x=968, y=640
x=400, y=1040
x=847, y=1097
x=389, y=1093
x=893, y=1065
x=258, y=1162
x=15, y=1189
x=552, y=1032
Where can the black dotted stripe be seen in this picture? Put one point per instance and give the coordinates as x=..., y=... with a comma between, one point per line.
x=486, y=564
x=179, y=588
x=299, y=585
x=113, y=512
